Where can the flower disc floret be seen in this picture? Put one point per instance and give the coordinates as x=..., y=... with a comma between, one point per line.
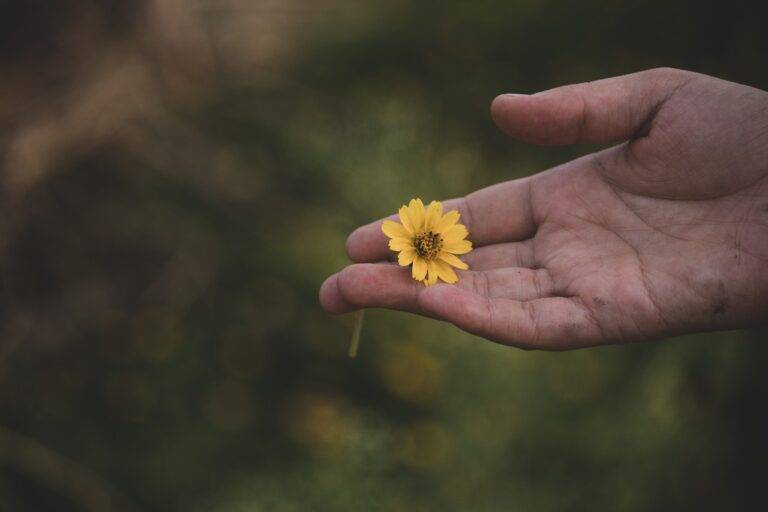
x=428, y=245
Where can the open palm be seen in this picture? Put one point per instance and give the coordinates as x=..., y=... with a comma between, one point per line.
x=663, y=234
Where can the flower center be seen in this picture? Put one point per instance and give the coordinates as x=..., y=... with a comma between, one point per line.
x=428, y=245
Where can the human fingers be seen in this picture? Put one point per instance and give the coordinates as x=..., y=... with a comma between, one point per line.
x=609, y=110
x=498, y=213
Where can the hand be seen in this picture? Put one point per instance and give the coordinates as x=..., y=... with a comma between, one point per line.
x=663, y=234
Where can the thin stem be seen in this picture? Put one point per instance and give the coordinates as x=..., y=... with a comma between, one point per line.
x=354, y=343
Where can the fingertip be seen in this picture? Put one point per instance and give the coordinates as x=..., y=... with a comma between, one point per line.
x=503, y=108
x=331, y=298
x=503, y=100
x=546, y=118
x=367, y=244
x=378, y=285
x=362, y=284
x=352, y=245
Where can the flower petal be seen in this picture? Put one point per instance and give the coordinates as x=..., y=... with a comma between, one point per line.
x=416, y=212
x=405, y=218
x=434, y=213
x=445, y=272
x=460, y=247
x=432, y=275
x=452, y=260
x=394, y=229
x=455, y=233
x=447, y=221
x=400, y=244
x=406, y=257
x=419, y=270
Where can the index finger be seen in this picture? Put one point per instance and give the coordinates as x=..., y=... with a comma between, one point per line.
x=499, y=213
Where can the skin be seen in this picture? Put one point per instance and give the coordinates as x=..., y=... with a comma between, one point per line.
x=663, y=234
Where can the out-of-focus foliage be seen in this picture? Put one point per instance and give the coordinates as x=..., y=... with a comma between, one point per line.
x=178, y=177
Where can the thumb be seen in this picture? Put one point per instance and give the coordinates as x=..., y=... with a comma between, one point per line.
x=609, y=110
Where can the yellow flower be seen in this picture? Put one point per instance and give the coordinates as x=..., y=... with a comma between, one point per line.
x=428, y=240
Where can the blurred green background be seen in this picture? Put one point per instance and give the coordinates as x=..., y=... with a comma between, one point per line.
x=178, y=178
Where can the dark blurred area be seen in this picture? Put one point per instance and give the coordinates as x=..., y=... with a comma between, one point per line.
x=177, y=178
